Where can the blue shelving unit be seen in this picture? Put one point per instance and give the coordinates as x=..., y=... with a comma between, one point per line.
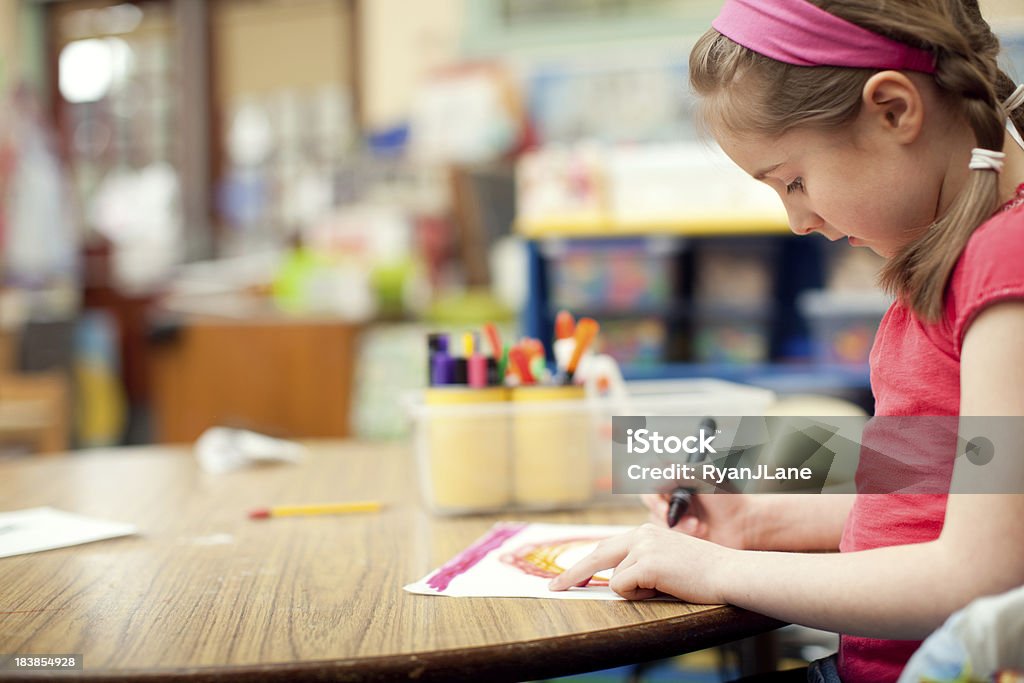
x=789, y=370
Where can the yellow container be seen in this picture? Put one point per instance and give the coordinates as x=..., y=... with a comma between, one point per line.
x=467, y=450
x=552, y=465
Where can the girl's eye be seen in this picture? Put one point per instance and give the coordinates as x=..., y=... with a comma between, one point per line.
x=797, y=184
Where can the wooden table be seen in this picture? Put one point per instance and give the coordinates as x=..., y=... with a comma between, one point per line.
x=203, y=593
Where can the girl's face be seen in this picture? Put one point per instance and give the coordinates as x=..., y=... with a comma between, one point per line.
x=855, y=183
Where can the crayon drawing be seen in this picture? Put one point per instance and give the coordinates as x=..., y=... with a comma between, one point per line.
x=548, y=559
x=517, y=559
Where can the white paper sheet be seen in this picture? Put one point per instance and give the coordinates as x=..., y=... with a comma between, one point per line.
x=44, y=528
x=518, y=560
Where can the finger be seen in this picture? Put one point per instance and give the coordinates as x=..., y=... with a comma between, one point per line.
x=630, y=583
x=688, y=525
x=627, y=562
x=606, y=555
x=654, y=502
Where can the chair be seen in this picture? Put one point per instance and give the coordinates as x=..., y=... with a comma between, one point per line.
x=33, y=407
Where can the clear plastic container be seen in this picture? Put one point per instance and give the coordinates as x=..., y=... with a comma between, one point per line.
x=544, y=448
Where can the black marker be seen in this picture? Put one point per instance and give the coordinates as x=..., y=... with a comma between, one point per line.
x=679, y=499
x=678, y=504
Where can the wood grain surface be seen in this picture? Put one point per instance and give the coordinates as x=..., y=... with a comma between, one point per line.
x=203, y=593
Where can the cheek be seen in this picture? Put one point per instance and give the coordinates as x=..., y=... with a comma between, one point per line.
x=870, y=207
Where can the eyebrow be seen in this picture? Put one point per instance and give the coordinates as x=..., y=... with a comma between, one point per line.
x=761, y=174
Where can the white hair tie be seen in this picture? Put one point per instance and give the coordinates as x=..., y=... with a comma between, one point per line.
x=1016, y=99
x=986, y=160
x=989, y=159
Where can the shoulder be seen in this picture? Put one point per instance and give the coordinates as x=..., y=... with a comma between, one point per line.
x=995, y=240
x=990, y=270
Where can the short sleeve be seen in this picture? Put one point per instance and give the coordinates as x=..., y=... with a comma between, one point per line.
x=990, y=270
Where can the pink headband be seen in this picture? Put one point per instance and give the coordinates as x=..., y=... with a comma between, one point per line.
x=797, y=32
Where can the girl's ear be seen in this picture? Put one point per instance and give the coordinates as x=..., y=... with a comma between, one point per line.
x=892, y=102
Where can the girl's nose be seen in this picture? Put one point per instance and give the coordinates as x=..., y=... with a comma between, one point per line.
x=803, y=222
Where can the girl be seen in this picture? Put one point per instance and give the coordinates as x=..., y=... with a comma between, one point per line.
x=887, y=124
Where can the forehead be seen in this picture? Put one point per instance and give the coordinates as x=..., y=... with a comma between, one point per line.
x=757, y=153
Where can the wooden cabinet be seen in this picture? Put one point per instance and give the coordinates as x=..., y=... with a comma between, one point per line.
x=284, y=377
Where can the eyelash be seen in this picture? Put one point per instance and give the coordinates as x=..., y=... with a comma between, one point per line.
x=797, y=184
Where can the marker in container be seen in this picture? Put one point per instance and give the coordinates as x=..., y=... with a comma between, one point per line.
x=477, y=370
x=562, y=347
x=442, y=367
x=517, y=357
x=586, y=330
x=460, y=371
x=437, y=344
x=565, y=325
x=494, y=375
x=494, y=339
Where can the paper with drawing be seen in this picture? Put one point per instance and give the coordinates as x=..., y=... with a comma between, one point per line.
x=517, y=559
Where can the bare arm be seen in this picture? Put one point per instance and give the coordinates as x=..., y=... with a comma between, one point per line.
x=800, y=522
x=761, y=521
x=900, y=592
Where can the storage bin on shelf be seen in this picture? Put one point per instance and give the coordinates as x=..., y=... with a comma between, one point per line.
x=843, y=324
x=616, y=275
x=543, y=448
x=727, y=334
x=736, y=273
x=635, y=342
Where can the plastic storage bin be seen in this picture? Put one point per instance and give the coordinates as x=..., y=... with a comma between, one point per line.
x=636, y=342
x=543, y=448
x=843, y=324
x=736, y=273
x=613, y=275
x=730, y=335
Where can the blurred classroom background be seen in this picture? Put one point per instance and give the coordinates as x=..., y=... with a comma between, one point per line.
x=250, y=212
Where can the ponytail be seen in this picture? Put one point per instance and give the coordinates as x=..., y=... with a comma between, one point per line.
x=967, y=70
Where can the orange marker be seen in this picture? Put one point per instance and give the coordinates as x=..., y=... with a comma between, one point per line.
x=564, y=325
x=586, y=330
x=533, y=348
x=522, y=364
x=492, y=336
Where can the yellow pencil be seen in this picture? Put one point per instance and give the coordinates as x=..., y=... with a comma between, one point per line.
x=321, y=509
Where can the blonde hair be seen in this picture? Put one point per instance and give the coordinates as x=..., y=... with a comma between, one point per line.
x=745, y=92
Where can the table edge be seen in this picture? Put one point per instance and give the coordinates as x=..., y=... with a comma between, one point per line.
x=542, y=658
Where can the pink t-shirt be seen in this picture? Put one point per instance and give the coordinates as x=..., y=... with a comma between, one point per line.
x=915, y=370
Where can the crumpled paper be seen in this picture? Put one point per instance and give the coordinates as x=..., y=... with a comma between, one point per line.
x=978, y=643
x=222, y=449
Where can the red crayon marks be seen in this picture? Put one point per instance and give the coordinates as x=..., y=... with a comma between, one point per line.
x=469, y=557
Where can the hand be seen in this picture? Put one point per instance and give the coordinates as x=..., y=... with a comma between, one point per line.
x=651, y=560
x=722, y=518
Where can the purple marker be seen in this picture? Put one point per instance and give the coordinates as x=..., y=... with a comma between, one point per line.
x=439, y=370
